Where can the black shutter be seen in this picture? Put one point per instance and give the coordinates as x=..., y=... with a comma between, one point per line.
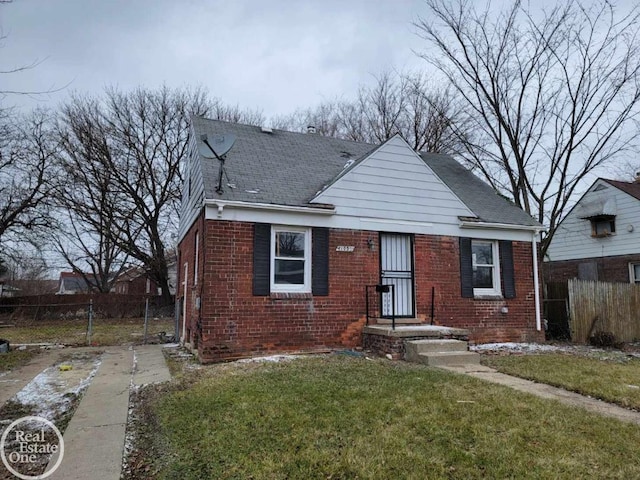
x=506, y=269
x=261, y=259
x=466, y=268
x=320, y=261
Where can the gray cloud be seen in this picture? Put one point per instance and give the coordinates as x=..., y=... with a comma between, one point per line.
x=273, y=55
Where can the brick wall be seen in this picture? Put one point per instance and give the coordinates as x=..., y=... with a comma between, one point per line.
x=610, y=269
x=233, y=323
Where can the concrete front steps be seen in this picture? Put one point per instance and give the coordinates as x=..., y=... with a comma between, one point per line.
x=440, y=353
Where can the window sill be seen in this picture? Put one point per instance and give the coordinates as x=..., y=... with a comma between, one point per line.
x=488, y=297
x=291, y=295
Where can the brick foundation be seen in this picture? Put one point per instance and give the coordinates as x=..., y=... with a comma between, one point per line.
x=609, y=269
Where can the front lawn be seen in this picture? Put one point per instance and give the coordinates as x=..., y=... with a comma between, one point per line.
x=615, y=380
x=343, y=417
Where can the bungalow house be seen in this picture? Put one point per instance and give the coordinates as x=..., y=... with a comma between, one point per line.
x=599, y=239
x=284, y=236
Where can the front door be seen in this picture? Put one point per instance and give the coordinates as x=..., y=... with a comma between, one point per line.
x=396, y=268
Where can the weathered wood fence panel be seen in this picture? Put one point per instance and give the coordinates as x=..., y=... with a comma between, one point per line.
x=604, y=307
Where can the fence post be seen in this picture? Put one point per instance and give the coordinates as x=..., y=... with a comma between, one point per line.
x=90, y=326
x=146, y=319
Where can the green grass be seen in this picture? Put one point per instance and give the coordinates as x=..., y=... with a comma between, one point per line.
x=74, y=332
x=15, y=359
x=341, y=417
x=613, y=380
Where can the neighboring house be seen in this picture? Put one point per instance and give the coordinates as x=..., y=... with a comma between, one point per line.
x=278, y=243
x=71, y=283
x=8, y=290
x=134, y=281
x=599, y=239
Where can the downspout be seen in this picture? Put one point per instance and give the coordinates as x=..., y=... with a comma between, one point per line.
x=202, y=247
x=536, y=280
x=183, y=337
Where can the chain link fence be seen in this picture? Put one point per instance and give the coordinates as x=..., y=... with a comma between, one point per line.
x=87, y=320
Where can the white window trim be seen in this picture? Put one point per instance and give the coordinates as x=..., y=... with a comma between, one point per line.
x=632, y=277
x=306, y=287
x=496, y=291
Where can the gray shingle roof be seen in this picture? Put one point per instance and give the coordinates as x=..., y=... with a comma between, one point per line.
x=284, y=168
x=288, y=168
x=481, y=199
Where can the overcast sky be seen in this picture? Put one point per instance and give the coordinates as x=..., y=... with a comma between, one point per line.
x=275, y=55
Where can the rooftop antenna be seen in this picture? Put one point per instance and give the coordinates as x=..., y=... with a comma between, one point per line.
x=221, y=146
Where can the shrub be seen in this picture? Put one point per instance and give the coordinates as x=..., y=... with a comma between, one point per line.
x=603, y=339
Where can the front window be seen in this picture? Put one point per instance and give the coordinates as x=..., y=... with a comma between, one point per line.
x=486, y=274
x=634, y=272
x=290, y=259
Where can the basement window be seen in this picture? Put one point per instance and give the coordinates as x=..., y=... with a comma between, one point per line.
x=603, y=226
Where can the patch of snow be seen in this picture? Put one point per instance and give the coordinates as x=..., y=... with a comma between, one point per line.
x=49, y=393
x=519, y=347
x=171, y=345
x=271, y=359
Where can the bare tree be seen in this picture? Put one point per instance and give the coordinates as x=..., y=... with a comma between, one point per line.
x=88, y=198
x=123, y=154
x=27, y=150
x=551, y=92
x=429, y=118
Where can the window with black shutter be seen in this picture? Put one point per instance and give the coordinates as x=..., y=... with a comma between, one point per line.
x=290, y=259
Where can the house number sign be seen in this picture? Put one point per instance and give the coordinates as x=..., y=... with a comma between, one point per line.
x=345, y=248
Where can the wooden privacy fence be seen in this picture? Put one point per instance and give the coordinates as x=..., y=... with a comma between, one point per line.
x=604, y=307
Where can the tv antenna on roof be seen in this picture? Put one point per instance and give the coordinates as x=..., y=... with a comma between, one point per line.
x=217, y=148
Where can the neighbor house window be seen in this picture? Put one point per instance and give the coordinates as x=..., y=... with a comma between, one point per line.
x=486, y=267
x=290, y=259
x=603, y=226
x=634, y=272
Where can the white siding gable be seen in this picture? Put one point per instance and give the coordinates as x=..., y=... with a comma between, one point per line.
x=192, y=188
x=394, y=183
x=573, y=238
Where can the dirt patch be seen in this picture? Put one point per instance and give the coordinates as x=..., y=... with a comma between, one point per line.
x=53, y=394
x=144, y=451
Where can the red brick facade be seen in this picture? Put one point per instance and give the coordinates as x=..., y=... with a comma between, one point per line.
x=233, y=323
x=609, y=269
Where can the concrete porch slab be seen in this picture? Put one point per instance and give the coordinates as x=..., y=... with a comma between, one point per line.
x=426, y=331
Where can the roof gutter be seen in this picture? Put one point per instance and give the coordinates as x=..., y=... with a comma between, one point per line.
x=221, y=204
x=501, y=226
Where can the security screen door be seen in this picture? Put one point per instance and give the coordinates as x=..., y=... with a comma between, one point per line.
x=396, y=268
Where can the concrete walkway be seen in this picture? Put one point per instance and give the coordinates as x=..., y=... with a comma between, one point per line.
x=547, y=391
x=94, y=438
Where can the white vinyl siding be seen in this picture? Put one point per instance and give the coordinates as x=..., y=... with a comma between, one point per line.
x=574, y=238
x=394, y=183
x=192, y=190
